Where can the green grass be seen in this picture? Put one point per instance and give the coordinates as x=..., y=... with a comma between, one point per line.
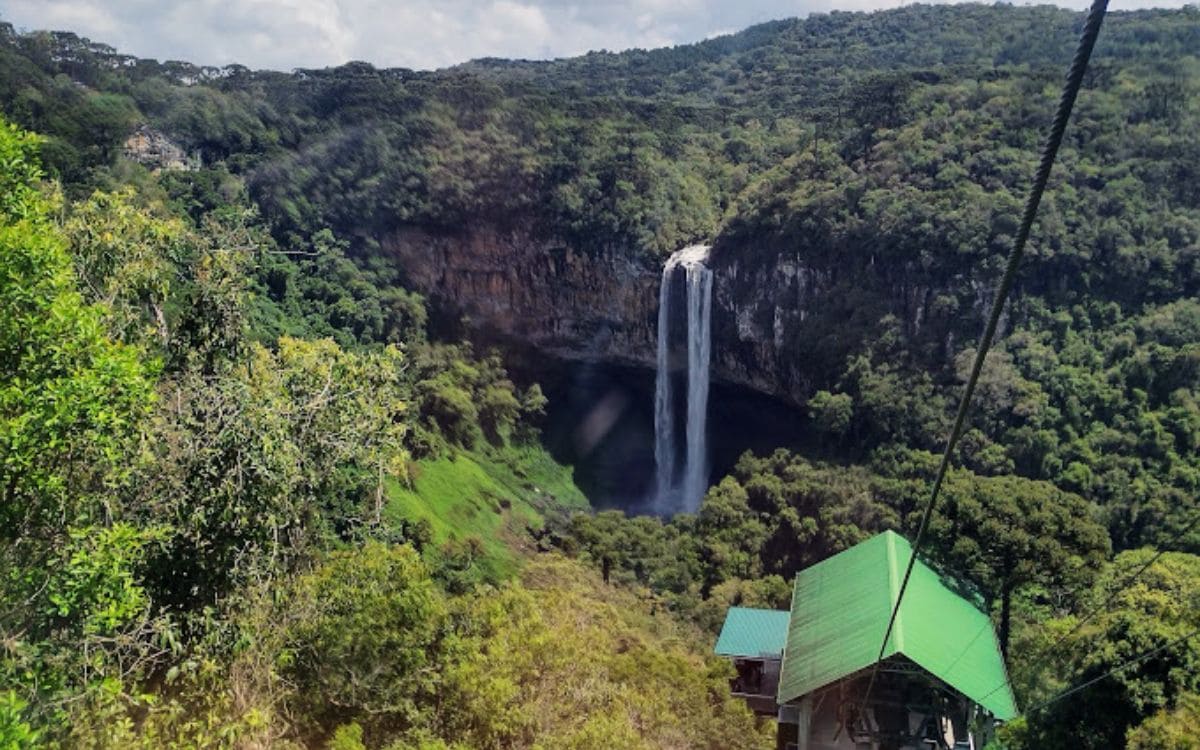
x=492, y=494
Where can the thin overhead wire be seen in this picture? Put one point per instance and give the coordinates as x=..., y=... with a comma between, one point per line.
x=1129, y=579
x=1066, y=103
x=1123, y=666
x=1124, y=584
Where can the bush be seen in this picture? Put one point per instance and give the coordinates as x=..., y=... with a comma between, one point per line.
x=363, y=639
x=15, y=732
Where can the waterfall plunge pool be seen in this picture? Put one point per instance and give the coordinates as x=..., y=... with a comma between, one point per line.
x=600, y=420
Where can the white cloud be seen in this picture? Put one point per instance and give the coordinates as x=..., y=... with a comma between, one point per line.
x=284, y=34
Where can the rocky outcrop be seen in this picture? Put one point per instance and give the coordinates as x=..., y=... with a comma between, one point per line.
x=155, y=150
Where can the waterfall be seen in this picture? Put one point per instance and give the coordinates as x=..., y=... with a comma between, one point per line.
x=670, y=498
x=664, y=405
x=695, y=471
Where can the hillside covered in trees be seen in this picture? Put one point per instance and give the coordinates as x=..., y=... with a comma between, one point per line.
x=262, y=490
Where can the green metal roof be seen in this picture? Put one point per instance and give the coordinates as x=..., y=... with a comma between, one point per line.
x=753, y=632
x=840, y=611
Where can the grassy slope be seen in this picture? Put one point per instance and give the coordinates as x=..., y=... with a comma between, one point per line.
x=492, y=494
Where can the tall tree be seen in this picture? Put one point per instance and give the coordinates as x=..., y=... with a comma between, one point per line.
x=1151, y=616
x=1008, y=532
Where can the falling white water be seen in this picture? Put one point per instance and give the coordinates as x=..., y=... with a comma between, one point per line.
x=695, y=471
x=670, y=498
x=664, y=406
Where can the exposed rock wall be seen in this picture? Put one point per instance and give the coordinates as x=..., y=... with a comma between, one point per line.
x=782, y=324
x=757, y=309
x=154, y=149
x=785, y=323
x=568, y=303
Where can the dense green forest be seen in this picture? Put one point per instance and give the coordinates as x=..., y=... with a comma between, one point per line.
x=254, y=497
x=213, y=541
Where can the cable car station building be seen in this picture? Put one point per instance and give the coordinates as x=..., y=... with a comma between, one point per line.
x=941, y=682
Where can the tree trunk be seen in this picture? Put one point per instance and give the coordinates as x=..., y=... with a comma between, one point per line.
x=1005, y=621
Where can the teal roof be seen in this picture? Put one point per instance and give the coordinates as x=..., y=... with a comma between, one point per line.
x=840, y=611
x=753, y=632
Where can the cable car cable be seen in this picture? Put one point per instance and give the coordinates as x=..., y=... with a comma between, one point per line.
x=1066, y=103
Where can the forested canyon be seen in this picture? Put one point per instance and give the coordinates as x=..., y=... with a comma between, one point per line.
x=336, y=402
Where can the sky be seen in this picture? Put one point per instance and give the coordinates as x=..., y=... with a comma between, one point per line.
x=420, y=34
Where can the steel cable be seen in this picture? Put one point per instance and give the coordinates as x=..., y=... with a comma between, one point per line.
x=1058, y=127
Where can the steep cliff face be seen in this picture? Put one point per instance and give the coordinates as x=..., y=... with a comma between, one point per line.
x=785, y=323
x=575, y=305
x=782, y=324
x=757, y=308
